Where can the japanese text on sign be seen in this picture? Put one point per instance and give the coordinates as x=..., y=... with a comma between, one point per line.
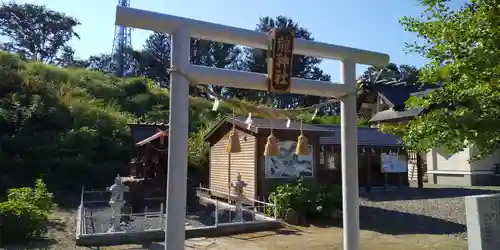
x=280, y=63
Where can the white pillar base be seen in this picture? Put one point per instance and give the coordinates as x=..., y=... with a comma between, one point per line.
x=238, y=217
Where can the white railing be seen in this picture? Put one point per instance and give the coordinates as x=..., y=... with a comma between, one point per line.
x=255, y=211
x=258, y=205
x=222, y=193
x=96, y=220
x=137, y=222
x=102, y=196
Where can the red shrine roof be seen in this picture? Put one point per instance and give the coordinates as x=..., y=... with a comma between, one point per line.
x=141, y=130
x=159, y=134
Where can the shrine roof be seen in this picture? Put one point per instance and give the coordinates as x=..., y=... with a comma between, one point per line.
x=142, y=131
x=367, y=136
x=396, y=94
x=259, y=124
x=393, y=94
x=152, y=138
x=391, y=115
x=263, y=123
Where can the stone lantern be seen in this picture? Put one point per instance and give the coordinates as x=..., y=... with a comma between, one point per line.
x=238, y=197
x=117, y=202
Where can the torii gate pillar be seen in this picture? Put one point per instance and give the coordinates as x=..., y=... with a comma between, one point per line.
x=178, y=143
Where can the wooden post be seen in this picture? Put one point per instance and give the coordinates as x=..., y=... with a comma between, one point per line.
x=420, y=171
x=229, y=184
x=368, y=158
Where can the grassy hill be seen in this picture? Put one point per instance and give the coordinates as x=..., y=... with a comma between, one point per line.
x=69, y=125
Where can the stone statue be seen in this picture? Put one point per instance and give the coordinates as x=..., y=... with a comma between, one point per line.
x=238, y=186
x=117, y=202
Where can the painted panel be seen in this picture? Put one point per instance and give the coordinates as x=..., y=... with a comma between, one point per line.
x=288, y=164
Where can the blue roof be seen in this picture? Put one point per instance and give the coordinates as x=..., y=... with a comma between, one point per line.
x=366, y=137
x=397, y=94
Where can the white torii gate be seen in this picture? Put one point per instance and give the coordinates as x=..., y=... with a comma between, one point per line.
x=182, y=29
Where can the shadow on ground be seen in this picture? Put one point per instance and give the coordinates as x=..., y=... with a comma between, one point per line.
x=411, y=193
x=35, y=244
x=289, y=230
x=396, y=223
x=400, y=223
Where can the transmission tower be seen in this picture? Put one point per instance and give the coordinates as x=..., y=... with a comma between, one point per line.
x=121, y=42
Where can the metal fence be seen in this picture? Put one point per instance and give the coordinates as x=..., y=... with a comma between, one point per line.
x=95, y=215
x=102, y=196
x=259, y=206
x=99, y=220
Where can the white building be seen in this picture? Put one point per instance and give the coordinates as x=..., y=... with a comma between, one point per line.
x=385, y=103
x=456, y=169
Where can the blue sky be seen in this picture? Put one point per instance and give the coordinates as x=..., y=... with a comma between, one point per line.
x=365, y=24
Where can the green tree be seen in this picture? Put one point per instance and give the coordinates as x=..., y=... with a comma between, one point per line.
x=462, y=47
x=218, y=55
x=157, y=47
x=37, y=33
x=136, y=63
x=391, y=73
x=206, y=53
x=102, y=62
x=67, y=59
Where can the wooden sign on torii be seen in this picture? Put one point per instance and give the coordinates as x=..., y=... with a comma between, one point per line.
x=182, y=29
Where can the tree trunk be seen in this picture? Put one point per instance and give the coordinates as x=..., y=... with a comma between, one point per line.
x=420, y=171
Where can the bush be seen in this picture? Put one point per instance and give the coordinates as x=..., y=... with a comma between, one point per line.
x=25, y=213
x=198, y=148
x=306, y=200
x=294, y=195
x=38, y=196
x=20, y=222
x=329, y=199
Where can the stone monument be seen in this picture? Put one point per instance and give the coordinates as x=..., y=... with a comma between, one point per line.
x=238, y=197
x=117, y=202
x=483, y=221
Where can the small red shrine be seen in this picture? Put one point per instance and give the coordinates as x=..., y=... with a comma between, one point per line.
x=148, y=168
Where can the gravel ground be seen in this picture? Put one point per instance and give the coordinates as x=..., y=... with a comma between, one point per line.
x=437, y=210
x=98, y=219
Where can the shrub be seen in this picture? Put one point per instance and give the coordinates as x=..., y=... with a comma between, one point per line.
x=305, y=200
x=329, y=198
x=38, y=196
x=198, y=148
x=25, y=213
x=296, y=195
x=21, y=221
